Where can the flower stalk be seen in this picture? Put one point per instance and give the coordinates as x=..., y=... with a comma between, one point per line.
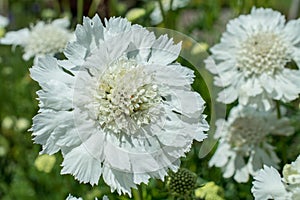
x=79, y=11
x=163, y=14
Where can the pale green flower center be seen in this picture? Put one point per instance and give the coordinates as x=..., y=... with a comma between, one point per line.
x=246, y=130
x=291, y=174
x=127, y=97
x=263, y=52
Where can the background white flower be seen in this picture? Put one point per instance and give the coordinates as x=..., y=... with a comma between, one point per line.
x=70, y=197
x=252, y=56
x=118, y=106
x=156, y=16
x=268, y=184
x=242, y=148
x=40, y=39
x=291, y=173
x=3, y=21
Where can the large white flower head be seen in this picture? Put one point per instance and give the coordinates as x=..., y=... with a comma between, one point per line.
x=251, y=60
x=268, y=184
x=119, y=106
x=41, y=39
x=156, y=15
x=242, y=148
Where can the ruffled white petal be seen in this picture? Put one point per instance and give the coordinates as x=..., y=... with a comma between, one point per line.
x=242, y=172
x=70, y=197
x=221, y=156
x=47, y=70
x=267, y=185
x=75, y=53
x=84, y=161
x=108, y=52
x=180, y=100
x=115, y=26
x=51, y=96
x=63, y=22
x=227, y=95
x=3, y=21
x=291, y=31
x=269, y=20
x=44, y=130
x=16, y=38
x=141, y=40
x=181, y=77
x=164, y=51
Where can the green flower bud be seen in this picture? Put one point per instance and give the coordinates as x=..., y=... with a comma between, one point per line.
x=182, y=182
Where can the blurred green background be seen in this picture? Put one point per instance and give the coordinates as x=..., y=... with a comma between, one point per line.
x=22, y=175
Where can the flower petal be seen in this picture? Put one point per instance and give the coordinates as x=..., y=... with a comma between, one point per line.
x=267, y=185
x=84, y=161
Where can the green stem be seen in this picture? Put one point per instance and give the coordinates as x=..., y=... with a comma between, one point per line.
x=94, y=6
x=170, y=18
x=56, y=6
x=79, y=11
x=255, y=2
x=138, y=194
x=162, y=10
x=284, y=140
x=171, y=4
x=140, y=188
x=278, y=109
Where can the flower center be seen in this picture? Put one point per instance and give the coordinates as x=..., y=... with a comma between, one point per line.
x=246, y=130
x=263, y=53
x=291, y=174
x=47, y=39
x=127, y=97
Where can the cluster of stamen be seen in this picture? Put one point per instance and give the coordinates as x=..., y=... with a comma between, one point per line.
x=47, y=39
x=263, y=52
x=245, y=130
x=127, y=97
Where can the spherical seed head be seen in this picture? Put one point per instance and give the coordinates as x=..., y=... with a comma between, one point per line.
x=182, y=182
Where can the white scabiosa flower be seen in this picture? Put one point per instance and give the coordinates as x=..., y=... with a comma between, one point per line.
x=41, y=39
x=268, y=184
x=251, y=60
x=119, y=106
x=3, y=21
x=70, y=197
x=105, y=198
x=291, y=173
x=156, y=15
x=242, y=148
